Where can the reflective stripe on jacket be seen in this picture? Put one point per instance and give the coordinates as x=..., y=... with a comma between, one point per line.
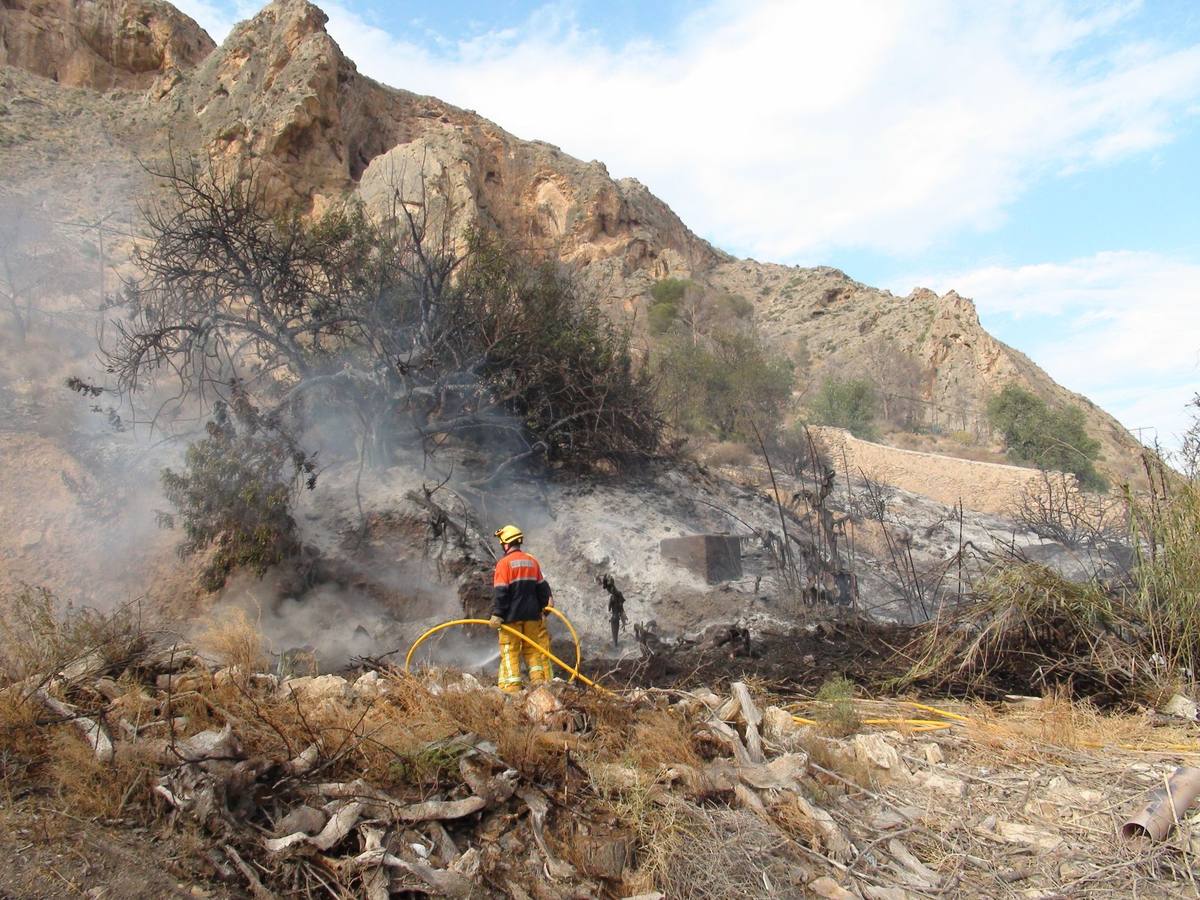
x=519, y=592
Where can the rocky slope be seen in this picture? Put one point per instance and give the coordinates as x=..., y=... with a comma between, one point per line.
x=280, y=94
x=822, y=317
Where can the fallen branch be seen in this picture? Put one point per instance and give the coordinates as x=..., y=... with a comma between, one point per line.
x=91, y=730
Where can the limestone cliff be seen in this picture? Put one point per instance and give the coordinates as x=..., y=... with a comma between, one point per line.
x=280, y=95
x=100, y=44
x=281, y=92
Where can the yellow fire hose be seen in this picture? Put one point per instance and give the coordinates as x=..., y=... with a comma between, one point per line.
x=574, y=670
x=562, y=617
x=914, y=724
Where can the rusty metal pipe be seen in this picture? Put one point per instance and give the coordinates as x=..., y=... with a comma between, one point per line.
x=1168, y=806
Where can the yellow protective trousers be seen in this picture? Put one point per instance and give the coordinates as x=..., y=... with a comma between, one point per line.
x=512, y=648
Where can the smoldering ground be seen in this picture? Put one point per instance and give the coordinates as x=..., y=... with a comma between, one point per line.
x=85, y=501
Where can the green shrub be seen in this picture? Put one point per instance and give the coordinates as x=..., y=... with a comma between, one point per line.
x=693, y=308
x=670, y=290
x=1047, y=437
x=711, y=385
x=847, y=403
x=963, y=437
x=236, y=490
x=1167, y=539
x=662, y=316
x=553, y=350
x=736, y=305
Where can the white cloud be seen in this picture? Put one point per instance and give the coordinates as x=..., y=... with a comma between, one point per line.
x=214, y=18
x=784, y=129
x=1121, y=327
x=218, y=17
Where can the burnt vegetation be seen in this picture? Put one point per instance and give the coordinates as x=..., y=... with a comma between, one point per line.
x=396, y=327
x=422, y=333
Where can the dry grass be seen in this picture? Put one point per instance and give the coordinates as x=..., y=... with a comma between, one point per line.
x=92, y=789
x=236, y=641
x=959, y=444
x=658, y=739
x=38, y=751
x=22, y=743
x=685, y=850
x=1031, y=730
x=39, y=635
x=795, y=821
x=1025, y=629
x=835, y=707
x=692, y=839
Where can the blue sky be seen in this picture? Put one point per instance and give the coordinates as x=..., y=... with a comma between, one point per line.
x=1039, y=157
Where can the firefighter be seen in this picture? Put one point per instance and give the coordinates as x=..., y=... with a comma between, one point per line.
x=520, y=598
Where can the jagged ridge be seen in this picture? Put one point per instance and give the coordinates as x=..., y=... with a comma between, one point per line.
x=280, y=94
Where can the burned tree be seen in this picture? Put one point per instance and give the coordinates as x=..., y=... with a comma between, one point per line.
x=420, y=336
x=421, y=333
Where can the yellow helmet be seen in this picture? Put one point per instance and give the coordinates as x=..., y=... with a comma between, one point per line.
x=510, y=534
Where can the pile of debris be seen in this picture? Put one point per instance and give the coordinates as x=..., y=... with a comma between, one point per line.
x=383, y=783
x=1026, y=627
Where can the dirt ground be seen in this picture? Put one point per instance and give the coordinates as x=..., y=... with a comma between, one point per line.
x=982, y=486
x=48, y=853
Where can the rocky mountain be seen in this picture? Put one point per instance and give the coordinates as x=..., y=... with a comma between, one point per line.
x=281, y=93
x=95, y=89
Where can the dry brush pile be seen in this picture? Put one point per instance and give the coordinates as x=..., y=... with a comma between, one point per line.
x=1128, y=635
x=435, y=785
x=1027, y=629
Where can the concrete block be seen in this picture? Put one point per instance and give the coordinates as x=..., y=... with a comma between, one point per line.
x=714, y=557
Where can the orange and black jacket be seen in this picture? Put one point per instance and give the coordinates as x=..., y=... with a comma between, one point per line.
x=519, y=592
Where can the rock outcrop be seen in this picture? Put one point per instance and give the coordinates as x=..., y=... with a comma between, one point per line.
x=280, y=92
x=100, y=44
x=822, y=319
x=281, y=96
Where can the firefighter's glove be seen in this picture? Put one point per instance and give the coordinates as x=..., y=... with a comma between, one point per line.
x=495, y=621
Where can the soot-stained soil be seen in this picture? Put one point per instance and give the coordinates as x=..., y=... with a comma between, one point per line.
x=799, y=658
